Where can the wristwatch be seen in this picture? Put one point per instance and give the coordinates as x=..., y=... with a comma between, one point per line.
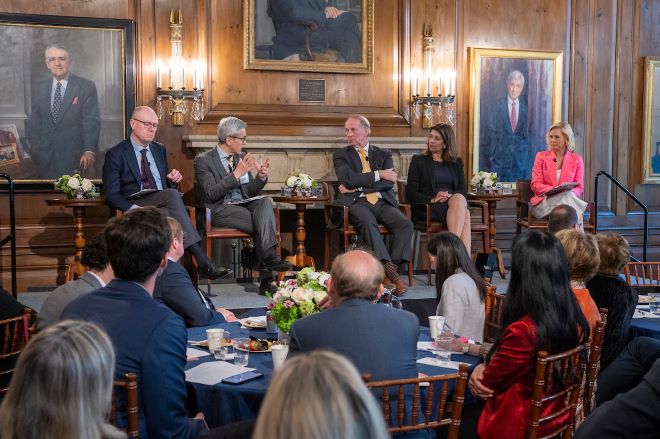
x=466, y=348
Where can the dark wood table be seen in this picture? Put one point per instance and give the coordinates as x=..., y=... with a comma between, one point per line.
x=300, y=258
x=492, y=199
x=79, y=211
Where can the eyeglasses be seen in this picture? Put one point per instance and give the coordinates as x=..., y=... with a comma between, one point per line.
x=147, y=124
x=242, y=139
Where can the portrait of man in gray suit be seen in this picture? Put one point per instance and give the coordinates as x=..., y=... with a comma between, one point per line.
x=64, y=123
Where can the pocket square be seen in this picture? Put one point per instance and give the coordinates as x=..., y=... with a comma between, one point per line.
x=75, y=101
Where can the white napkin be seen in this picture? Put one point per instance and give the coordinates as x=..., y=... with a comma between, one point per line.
x=639, y=314
x=213, y=372
x=195, y=353
x=432, y=361
x=253, y=321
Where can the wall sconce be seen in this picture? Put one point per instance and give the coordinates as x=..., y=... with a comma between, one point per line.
x=446, y=91
x=182, y=101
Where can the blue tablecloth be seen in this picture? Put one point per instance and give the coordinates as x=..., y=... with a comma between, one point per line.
x=225, y=403
x=645, y=328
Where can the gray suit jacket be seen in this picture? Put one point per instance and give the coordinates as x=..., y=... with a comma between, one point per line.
x=60, y=297
x=213, y=182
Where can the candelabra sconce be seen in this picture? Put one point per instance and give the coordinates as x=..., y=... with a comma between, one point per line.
x=183, y=102
x=423, y=107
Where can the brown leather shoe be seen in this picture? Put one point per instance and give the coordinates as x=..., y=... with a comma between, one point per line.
x=400, y=288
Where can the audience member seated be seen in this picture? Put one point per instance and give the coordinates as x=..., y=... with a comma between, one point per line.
x=631, y=415
x=10, y=307
x=379, y=340
x=99, y=273
x=563, y=217
x=149, y=338
x=583, y=262
x=366, y=178
x=540, y=313
x=436, y=177
x=460, y=289
x=627, y=370
x=62, y=386
x=175, y=289
x=319, y=395
x=610, y=290
x=139, y=164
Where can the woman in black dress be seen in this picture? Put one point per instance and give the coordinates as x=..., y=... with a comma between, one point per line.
x=436, y=177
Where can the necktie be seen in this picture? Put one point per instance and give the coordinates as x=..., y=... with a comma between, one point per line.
x=230, y=162
x=57, y=101
x=513, y=116
x=372, y=197
x=148, y=180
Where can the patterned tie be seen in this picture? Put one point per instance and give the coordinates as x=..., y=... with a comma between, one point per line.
x=57, y=101
x=230, y=162
x=148, y=180
x=372, y=197
x=513, y=116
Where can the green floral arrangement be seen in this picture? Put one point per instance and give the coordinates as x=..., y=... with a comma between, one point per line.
x=485, y=179
x=74, y=186
x=299, y=297
x=300, y=181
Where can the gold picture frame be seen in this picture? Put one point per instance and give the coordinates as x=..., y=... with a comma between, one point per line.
x=651, y=133
x=495, y=145
x=9, y=141
x=275, y=39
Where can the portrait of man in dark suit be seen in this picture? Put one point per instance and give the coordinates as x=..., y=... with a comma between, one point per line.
x=64, y=123
x=506, y=134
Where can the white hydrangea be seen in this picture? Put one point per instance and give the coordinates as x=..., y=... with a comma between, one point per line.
x=74, y=183
x=306, y=181
x=292, y=181
x=87, y=184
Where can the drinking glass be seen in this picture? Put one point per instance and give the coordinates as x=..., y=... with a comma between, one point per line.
x=242, y=355
x=443, y=346
x=654, y=305
x=222, y=351
x=389, y=299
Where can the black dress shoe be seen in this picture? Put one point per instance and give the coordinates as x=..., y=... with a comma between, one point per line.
x=213, y=271
x=267, y=286
x=278, y=265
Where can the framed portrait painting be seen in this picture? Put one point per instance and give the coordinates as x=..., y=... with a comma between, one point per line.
x=651, y=136
x=515, y=96
x=68, y=92
x=309, y=35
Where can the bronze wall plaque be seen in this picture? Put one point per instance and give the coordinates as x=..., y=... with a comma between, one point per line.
x=311, y=90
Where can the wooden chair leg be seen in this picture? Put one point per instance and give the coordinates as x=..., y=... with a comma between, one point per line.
x=209, y=251
x=428, y=259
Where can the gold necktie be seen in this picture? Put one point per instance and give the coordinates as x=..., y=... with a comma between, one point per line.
x=372, y=197
x=230, y=162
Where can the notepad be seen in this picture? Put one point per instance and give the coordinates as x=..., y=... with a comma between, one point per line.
x=560, y=188
x=213, y=372
x=431, y=361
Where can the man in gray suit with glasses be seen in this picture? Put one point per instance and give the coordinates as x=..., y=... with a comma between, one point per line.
x=224, y=180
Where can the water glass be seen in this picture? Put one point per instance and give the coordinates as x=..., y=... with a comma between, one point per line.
x=436, y=325
x=280, y=352
x=241, y=353
x=213, y=337
x=443, y=344
x=654, y=305
x=222, y=352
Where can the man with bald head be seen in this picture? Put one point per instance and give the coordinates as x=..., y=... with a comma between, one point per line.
x=140, y=164
x=379, y=340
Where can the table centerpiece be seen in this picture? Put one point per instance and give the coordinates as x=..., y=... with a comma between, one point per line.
x=74, y=186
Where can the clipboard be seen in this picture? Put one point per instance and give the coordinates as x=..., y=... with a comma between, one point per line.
x=561, y=188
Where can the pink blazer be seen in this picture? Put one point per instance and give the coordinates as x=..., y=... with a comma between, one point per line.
x=544, y=173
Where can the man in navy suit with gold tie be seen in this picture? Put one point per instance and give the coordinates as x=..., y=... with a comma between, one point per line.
x=138, y=164
x=65, y=122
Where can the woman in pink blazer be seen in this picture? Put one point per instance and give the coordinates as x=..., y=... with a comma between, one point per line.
x=556, y=166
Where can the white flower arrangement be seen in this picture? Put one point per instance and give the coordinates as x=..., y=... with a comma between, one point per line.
x=485, y=179
x=74, y=186
x=299, y=180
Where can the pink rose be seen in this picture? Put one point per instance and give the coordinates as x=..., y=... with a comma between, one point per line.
x=288, y=304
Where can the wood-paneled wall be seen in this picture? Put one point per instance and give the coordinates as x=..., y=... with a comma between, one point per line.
x=604, y=42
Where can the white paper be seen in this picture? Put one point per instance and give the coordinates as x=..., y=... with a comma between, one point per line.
x=246, y=200
x=431, y=361
x=639, y=314
x=426, y=346
x=195, y=353
x=251, y=322
x=213, y=372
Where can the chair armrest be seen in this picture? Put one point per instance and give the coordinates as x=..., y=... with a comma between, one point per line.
x=406, y=210
x=483, y=205
x=341, y=210
x=524, y=210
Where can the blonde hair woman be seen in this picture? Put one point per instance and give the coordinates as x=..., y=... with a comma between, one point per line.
x=62, y=386
x=558, y=165
x=319, y=395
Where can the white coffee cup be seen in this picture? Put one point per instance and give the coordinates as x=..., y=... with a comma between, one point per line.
x=214, y=338
x=280, y=352
x=436, y=324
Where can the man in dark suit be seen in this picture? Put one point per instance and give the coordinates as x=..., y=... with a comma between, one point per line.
x=224, y=181
x=99, y=273
x=366, y=177
x=175, y=289
x=506, y=134
x=379, y=340
x=139, y=164
x=65, y=122
x=149, y=339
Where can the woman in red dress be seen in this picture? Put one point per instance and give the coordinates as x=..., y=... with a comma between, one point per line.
x=540, y=313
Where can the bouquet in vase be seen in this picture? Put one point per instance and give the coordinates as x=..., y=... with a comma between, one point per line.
x=299, y=297
x=300, y=184
x=483, y=179
x=74, y=186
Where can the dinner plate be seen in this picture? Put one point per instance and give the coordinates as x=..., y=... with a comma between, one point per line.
x=646, y=299
x=253, y=324
x=270, y=349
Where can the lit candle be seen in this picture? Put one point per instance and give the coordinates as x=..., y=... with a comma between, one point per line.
x=183, y=77
x=194, y=75
x=428, y=90
x=159, y=79
x=416, y=89
x=170, y=79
